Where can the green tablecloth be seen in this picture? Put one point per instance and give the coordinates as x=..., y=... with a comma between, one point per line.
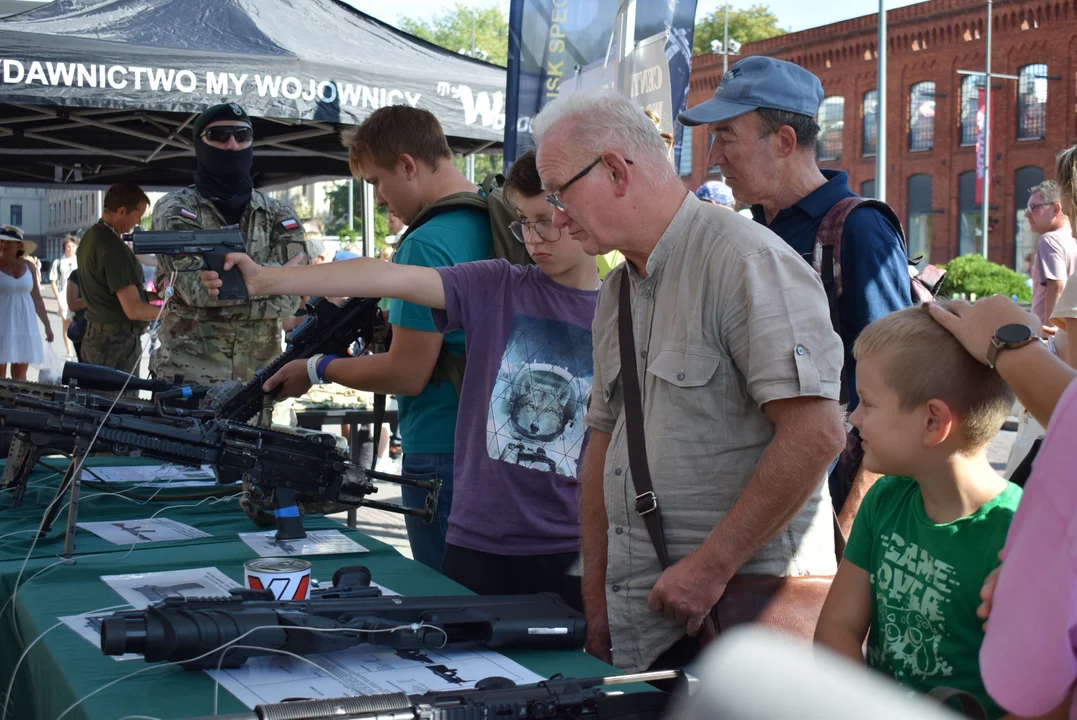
x=62, y=667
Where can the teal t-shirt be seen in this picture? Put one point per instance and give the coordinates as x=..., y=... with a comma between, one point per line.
x=428, y=420
x=925, y=585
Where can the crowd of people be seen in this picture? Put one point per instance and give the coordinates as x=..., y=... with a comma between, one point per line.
x=743, y=396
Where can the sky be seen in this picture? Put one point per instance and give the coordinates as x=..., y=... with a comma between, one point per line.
x=792, y=14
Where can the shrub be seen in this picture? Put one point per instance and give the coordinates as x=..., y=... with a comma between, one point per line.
x=973, y=274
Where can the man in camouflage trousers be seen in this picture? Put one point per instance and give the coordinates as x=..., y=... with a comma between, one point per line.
x=205, y=340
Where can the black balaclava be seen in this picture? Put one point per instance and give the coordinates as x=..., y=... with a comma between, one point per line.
x=224, y=177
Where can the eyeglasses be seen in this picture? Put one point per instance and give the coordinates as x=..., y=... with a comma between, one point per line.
x=221, y=133
x=554, y=198
x=545, y=229
x=1032, y=206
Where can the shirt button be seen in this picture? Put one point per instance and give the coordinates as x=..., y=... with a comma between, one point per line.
x=616, y=588
x=619, y=530
x=647, y=294
x=800, y=349
x=643, y=354
x=680, y=376
x=617, y=471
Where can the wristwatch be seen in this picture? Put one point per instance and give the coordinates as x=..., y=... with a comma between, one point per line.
x=1008, y=337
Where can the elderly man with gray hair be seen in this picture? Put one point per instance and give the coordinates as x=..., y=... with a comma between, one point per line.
x=732, y=357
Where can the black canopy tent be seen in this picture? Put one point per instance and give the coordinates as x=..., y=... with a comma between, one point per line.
x=93, y=92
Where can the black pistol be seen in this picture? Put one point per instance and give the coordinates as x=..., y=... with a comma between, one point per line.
x=210, y=245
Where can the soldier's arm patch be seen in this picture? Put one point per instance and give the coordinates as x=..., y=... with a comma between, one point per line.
x=289, y=224
x=188, y=214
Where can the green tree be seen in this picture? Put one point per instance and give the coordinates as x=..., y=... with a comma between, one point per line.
x=484, y=165
x=338, y=217
x=452, y=30
x=745, y=26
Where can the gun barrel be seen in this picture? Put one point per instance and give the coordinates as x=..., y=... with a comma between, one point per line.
x=99, y=377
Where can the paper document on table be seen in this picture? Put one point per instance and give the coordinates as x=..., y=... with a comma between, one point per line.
x=88, y=625
x=126, y=532
x=317, y=542
x=366, y=670
x=152, y=475
x=142, y=589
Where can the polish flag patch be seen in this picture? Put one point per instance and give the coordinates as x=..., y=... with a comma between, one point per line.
x=289, y=224
x=188, y=214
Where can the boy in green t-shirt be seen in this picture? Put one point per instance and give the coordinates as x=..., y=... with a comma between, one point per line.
x=929, y=532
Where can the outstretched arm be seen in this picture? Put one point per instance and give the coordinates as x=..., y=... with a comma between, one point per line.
x=361, y=277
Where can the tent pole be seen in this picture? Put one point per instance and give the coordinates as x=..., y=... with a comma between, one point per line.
x=368, y=219
x=351, y=203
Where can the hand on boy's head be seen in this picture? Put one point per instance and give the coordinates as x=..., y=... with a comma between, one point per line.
x=974, y=324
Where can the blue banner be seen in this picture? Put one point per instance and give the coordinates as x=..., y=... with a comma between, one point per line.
x=549, y=40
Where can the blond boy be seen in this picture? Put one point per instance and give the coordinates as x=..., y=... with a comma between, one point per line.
x=929, y=532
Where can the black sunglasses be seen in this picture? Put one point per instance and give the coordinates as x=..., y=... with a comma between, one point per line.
x=220, y=134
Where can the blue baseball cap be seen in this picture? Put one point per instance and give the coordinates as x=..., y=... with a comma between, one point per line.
x=759, y=82
x=716, y=191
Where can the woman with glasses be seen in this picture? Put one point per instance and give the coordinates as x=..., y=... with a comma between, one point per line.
x=514, y=525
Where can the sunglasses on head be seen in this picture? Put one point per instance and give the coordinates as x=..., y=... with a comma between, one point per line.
x=220, y=134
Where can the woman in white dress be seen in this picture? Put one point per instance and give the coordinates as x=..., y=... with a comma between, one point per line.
x=20, y=299
x=61, y=271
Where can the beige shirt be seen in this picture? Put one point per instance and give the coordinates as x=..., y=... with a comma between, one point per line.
x=728, y=318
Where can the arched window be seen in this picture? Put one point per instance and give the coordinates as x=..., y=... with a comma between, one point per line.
x=970, y=228
x=918, y=226
x=922, y=116
x=1024, y=239
x=831, y=123
x=970, y=91
x=870, y=110
x=1032, y=102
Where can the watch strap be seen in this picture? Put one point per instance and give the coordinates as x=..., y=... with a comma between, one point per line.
x=319, y=368
x=312, y=368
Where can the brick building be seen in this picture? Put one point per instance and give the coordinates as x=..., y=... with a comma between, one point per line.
x=931, y=125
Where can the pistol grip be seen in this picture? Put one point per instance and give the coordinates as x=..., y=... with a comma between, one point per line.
x=286, y=512
x=233, y=288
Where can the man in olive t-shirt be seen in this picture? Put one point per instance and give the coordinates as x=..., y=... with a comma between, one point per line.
x=111, y=283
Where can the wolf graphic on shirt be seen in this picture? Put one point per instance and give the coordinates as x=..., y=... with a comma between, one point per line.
x=539, y=398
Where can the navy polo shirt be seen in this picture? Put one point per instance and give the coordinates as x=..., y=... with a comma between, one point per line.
x=874, y=263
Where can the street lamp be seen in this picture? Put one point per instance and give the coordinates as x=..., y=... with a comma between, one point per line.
x=726, y=47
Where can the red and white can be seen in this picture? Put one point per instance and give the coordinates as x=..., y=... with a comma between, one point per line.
x=288, y=578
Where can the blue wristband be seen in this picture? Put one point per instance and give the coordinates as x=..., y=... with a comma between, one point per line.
x=322, y=364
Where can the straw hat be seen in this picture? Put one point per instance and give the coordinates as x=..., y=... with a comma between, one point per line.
x=11, y=233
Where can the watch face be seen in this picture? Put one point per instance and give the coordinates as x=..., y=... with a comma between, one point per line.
x=1013, y=334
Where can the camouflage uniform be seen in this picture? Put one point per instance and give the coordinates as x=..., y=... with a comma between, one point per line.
x=210, y=341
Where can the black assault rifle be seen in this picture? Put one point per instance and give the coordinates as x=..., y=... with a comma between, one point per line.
x=494, y=697
x=286, y=466
x=183, y=629
x=330, y=329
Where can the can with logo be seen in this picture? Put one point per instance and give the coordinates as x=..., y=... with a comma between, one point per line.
x=288, y=578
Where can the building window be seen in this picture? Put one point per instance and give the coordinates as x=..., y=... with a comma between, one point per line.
x=918, y=226
x=970, y=91
x=831, y=123
x=870, y=108
x=970, y=227
x=922, y=116
x=1032, y=102
x=686, y=152
x=1025, y=241
x=867, y=189
x=16, y=215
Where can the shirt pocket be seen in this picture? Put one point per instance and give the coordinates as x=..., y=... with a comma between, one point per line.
x=687, y=396
x=611, y=389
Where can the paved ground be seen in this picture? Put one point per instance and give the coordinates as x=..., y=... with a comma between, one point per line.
x=389, y=527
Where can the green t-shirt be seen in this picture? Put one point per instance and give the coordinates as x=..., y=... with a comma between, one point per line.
x=106, y=266
x=925, y=584
x=428, y=420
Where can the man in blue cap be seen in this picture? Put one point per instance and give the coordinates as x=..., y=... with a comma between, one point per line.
x=764, y=137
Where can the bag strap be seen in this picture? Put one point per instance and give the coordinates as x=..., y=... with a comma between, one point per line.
x=646, y=500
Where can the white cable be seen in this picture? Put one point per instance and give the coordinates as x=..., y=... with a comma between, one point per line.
x=79, y=462
x=169, y=507
x=11, y=682
x=217, y=675
x=409, y=626
x=17, y=532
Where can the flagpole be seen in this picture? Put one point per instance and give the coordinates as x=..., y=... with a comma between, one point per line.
x=987, y=137
x=880, y=108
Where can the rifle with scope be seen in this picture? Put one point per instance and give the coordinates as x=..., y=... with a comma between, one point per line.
x=288, y=467
x=193, y=631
